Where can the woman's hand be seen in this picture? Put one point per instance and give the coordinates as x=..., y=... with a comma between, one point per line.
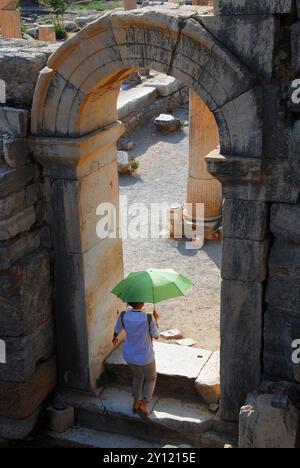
x=115, y=341
x=156, y=315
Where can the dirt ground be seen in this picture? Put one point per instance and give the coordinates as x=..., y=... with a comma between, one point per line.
x=162, y=177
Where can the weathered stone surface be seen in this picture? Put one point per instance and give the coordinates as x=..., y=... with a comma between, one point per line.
x=243, y=219
x=284, y=261
x=241, y=342
x=280, y=330
x=177, y=366
x=16, y=152
x=13, y=180
x=277, y=121
x=25, y=295
x=244, y=260
x=23, y=353
x=295, y=45
x=20, y=400
x=264, y=426
x=20, y=223
x=208, y=381
x=255, y=7
x=284, y=293
x=13, y=122
x=123, y=162
x=285, y=222
x=13, y=250
x=135, y=99
x=251, y=39
x=23, y=61
x=165, y=85
x=12, y=429
x=167, y=123
x=16, y=202
x=47, y=33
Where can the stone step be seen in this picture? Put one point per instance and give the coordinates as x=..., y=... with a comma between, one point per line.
x=177, y=369
x=81, y=437
x=170, y=419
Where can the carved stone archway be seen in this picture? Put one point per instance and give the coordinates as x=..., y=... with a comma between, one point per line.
x=75, y=130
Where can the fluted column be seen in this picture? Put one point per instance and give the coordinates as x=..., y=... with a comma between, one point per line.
x=202, y=187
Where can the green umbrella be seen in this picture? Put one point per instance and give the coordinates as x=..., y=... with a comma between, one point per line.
x=152, y=286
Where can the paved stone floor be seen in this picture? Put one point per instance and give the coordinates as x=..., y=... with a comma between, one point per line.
x=162, y=177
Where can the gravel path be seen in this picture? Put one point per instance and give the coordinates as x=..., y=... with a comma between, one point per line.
x=162, y=177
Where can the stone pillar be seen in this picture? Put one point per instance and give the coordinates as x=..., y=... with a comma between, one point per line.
x=10, y=21
x=130, y=5
x=202, y=187
x=47, y=33
x=82, y=173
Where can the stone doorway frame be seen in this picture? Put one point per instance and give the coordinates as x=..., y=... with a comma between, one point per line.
x=74, y=133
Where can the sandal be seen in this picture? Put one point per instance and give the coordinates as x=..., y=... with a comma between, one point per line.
x=136, y=406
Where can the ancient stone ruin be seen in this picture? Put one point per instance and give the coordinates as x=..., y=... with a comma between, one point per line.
x=58, y=160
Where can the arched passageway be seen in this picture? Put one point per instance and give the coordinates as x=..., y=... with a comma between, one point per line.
x=75, y=130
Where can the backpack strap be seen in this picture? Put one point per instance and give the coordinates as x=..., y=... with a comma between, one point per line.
x=149, y=318
x=122, y=316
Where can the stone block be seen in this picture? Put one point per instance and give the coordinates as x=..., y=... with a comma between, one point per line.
x=264, y=426
x=17, y=224
x=207, y=383
x=25, y=295
x=284, y=261
x=285, y=222
x=61, y=419
x=23, y=353
x=295, y=46
x=277, y=123
x=47, y=33
x=284, y=293
x=10, y=24
x=241, y=344
x=74, y=207
x=13, y=180
x=243, y=219
x=245, y=260
x=134, y=99
x=83, y=303
x=8, y=5
x=16, y=152
x=13, y=122
x=20, y=64
x=250, y=38
x=123, y=163
x=167, y=123
x=13, y=250
x=280, y=330
x=254, y=7
x=16, y=202
x=12, y=429
x=21, y=400
x=165, y=85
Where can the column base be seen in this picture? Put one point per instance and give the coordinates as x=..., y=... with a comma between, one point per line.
x=212, y=227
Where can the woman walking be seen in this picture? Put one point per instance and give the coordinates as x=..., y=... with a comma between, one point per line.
x=138, y=352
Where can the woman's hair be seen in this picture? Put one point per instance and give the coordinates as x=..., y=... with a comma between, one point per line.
x=136, y=305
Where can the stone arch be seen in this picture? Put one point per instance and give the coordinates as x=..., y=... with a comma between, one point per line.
x=74, y=133
x=83, y=75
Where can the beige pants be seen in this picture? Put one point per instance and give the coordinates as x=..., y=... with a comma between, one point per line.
x=144, y=380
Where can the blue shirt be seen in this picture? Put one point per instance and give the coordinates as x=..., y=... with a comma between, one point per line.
x=138, y=348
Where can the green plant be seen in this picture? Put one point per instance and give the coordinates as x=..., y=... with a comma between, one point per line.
x=134, y=164
x=60, y=31
x=58, y=8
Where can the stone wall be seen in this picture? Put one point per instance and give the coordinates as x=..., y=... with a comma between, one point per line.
x=248, y=55
x=26, y=317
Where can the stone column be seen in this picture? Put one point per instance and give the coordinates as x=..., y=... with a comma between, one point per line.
x=202, y=187
x=10, y=21
x=81, y=174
